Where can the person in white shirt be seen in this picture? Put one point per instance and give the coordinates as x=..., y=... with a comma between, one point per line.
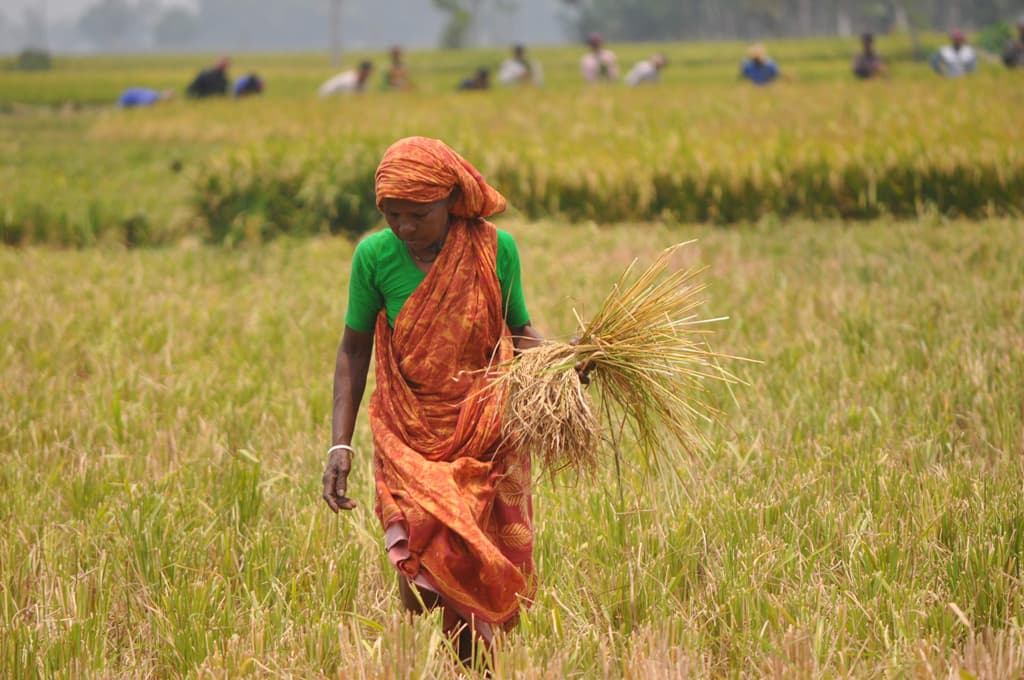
x=646, y=71
x=957, y=59
x=353, y=80
x=518, y=70
x=599, y=64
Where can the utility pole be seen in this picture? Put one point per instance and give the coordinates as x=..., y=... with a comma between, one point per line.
x=806, y=15
x=334, y=30
x=44, y=20
x=476, y=28
x=906, y=20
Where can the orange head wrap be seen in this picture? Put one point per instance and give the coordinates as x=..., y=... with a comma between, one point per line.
x=425, y=170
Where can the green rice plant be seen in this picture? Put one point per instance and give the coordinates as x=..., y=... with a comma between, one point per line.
x=697, y=147
x=730, y=156
x=286, y=195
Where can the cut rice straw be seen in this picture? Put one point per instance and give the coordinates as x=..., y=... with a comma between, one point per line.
x=646, y=354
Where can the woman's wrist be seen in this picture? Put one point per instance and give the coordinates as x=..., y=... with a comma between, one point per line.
x=341, y=447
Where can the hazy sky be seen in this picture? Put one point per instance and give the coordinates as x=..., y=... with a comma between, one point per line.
x=65, y=9
x=365, y=23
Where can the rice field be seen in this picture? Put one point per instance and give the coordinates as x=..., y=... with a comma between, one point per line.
x=164, y=411
x=699, y=147
x=858, y=513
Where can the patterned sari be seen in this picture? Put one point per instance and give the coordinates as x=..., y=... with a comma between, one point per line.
x=452, y=494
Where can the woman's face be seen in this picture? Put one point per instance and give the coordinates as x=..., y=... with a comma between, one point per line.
x=418, y=225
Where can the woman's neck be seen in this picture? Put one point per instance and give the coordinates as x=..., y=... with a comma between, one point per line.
x=426, y=256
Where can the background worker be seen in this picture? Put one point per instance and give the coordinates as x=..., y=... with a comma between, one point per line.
x=957, y=59
x=346, y=82
x=520, y=70
x=1013, y=57
x=397, y=75
x=210, y=82
x=758, y=67
x=135, y=97
x=599, y=64
x=868, y=64
x=248, y=85
x=481, y=80
x=646, y=71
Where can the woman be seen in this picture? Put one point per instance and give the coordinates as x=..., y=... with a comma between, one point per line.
x=440, y=293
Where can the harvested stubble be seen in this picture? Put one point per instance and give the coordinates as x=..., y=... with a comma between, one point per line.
x=647, y=355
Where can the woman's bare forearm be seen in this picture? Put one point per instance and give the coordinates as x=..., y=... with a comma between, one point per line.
x=350, y=371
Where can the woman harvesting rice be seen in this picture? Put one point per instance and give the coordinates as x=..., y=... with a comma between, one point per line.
x=440, y=294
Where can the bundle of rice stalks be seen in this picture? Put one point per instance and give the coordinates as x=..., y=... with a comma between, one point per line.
x=645, y=352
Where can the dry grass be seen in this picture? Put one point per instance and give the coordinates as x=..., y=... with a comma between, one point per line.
x=872, y=477
x=647, y=353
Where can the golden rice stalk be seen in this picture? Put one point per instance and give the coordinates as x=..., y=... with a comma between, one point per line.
x=549, y=409
x=648, y=358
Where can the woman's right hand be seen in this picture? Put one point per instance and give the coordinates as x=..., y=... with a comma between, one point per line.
x=336, y=480
x=583, y=368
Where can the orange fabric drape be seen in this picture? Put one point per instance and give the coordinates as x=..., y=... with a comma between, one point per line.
x=441, y=465
x=425, y=170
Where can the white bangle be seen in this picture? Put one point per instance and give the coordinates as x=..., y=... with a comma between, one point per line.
x=346, y=447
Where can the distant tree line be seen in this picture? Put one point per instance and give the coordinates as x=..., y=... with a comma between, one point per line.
x=466, y=19
x=634, y=20
x=28, y=32
x=131, y=25
x=262, y=24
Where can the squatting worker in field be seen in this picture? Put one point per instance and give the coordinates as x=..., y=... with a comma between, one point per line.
x=868, y=64
x=646, y=71
x=758, y=67
x=210, y=82
x=599, y=64
x=957, y=59
x=396, y=77
x=1013, y=56
x=520, y=69
x=481, y=80
x=135, y=97
x=248, y=85
x=440, y=294
x=346, y=82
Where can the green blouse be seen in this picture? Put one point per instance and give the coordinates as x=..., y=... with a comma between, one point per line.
x=384, y=276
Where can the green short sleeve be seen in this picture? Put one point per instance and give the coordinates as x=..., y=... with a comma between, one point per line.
x=510, y=277
x=364, y=297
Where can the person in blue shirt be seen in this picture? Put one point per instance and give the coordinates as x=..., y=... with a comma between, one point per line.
x=759, y=68
x=135, y=97
x=249, y=84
